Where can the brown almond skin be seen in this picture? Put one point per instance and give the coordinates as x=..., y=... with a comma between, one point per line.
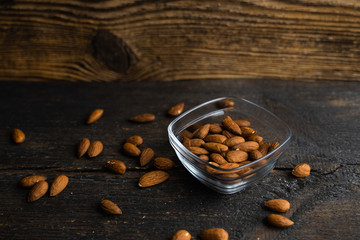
x=143, y=118
x=230, y=142
x=176, y=110
x=228, y=134
x=58, y=185
x=186, y=142
x=198, y=150
x=116, y=166
x=246, y=146
x=186, y=133
x=301, y=170
x=162, y=163
x=83, y=147
x=94, y=116
x=136, y=140
x=216, y=157
x=196, y=142
x=202, y=131
x=225, y=103
x=18, y=135
x=236, y=156
x=247, y=131
x=230, y=125
x=278, y=205
x=146, y=155
x=181, y=235
x=30, y=181
x=264, y=148
x=153, y=178
x=255, y=138
x=279, y=221
x=110, y=207
x=215, y=147
x=255, y=154
x=204, y=157
x=230, y=166
x=95, y=148
x=218, y=138
x=243, y=123
x=212, y=170
x=215, y=128
x=131, y=150
x=214, y=234
x=273, y=146
x=37, y=191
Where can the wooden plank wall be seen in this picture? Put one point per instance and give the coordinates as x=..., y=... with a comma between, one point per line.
x=174, y=40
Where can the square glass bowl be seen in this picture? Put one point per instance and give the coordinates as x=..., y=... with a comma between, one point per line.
x=229, y=181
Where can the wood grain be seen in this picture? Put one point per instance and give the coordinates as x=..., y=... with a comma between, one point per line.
x=174, y=40
x=323, y=116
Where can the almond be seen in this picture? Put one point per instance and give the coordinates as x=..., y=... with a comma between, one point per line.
x=116, y=166
x=225, y=103
x=186, y=142
x=215, y=147
x=264, y=148
x=255, y=138
x=214, y=234
x=198, y=150
x=246, y=146
x=279, y=221
x=216, y=157
x=30, y=181
x=202, y=131
x=94, y=116
x=110, y=207
x=143, y=118
x=211, y=170
x=176, y=110
x=230, y=166
x=301, y=170
x=95, y=148
x=131, y=150
x=186, y=133
x=83, y=147
x=243, y=123
x=37, y=191
x=228, y=134
x=247, y=131
x=255, y=155
x=196, y=142
x=181, y=235
x=215, y=128
x=204, y=157
x=230, y=142
x=230, y=125
x=219, y=138
x=162, y=163
x=153, y=178
x=18, y=136
x=146, y=155
x=273, y=146
x=236, y=156
x=136, y=140
x=278, y=205
x=58, y=185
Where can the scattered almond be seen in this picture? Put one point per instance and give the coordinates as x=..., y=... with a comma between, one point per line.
x=131, y=150
x=181, y=235
x=94, y=116
x=301, y=170
x=176, y=110
x=83, y=147
x=95, y=148
x=230, y=125
x=58, y=185
x=279, y=221
x=37, y=191
x=214, y=234
x=278, y=205
x=143, y=118
x=110, y=207
x=162, y=163
x=153, y=178
x=116, y=166
x=136, y=140
x=30, y=181
x=18, y=136
x=146, y=155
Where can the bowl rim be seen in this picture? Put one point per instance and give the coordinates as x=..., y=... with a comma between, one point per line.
x=198, y=159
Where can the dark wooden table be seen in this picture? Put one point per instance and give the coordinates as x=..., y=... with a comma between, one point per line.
x=324, y=117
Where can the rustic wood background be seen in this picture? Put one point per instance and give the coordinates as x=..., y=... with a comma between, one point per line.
x=323, y=115
x=172, y=40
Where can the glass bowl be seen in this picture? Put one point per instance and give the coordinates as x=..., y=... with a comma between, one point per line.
x=222, y=180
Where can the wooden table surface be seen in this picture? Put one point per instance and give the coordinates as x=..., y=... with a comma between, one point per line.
x=324, y=117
